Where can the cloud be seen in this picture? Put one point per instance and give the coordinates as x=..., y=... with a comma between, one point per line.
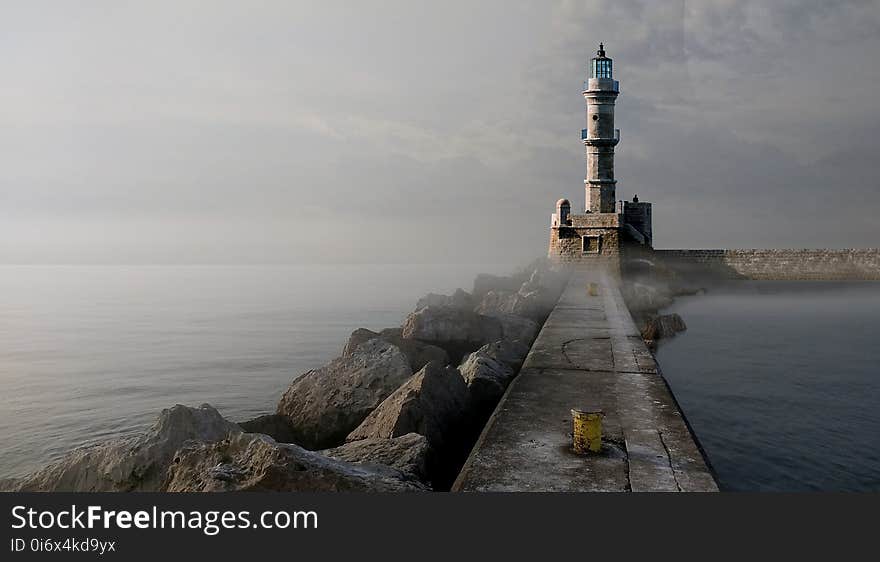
x=397, y=131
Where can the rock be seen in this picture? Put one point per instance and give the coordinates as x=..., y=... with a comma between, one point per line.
x=407, y=453
x=531, y=293
x=325, y=404
x=8, y=484
x=134, y=464
x=489, y=370
x=418, y=354
x=517, y=328
x=496, y=302
x=535, y=304
x=459, y=299
x=641, y=297
x=486, y=377
x=684, y=290
x=663, y=326
x=276, y=426
x=540, y=273
x=359, y=336
x=456, y=331
x=530, y=302
x=549, y=278
x=256, y=463
x=432, y=403
x=485, y=282
x=513, y=353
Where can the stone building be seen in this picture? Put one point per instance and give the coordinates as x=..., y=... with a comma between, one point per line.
x=607, y=228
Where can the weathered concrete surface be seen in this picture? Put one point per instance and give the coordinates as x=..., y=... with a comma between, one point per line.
x=588, y=354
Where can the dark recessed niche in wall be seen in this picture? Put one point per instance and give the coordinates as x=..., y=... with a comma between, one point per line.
x=591, y=244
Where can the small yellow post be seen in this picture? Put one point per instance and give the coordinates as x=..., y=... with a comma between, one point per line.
x=586, y=430
x=593, y=290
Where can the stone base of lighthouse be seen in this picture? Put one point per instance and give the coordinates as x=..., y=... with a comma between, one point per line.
x=594, y=236
x=601, y=238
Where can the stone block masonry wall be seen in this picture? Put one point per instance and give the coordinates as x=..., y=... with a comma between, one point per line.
x=567, y=244
x=639, y=216
x=793, y=265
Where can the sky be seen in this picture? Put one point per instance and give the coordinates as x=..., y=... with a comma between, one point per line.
x=425, y=132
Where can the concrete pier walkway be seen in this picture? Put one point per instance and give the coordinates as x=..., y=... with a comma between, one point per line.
x=589, y=354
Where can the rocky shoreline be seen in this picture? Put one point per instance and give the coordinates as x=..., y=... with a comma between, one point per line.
x=647, y=291
x=398, y=410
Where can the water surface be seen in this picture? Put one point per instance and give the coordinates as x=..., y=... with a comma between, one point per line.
x=781, y=383
x=88, y=353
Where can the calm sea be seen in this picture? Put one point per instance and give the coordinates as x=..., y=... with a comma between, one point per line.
x=781, y=383
x=89, y=353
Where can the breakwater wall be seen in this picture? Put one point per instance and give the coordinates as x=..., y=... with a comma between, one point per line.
x=589, y=355
x=773, y=264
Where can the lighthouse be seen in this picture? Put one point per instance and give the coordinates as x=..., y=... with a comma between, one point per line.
x=607, y=228
x=600, y=137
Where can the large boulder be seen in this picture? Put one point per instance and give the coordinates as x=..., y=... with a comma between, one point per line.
x=514, y=313
x=485, y=282
x=517, y=328
x=510, y=352
x=486, y=377
x=456, y=331
x=432, y=403
x=357, y=337
x=418, y=354
x=276, y=426
x=407, y=453
x=496, y=302
x=539, y=274
x=533, y=299
x=535, y=304
x=546, y=278
x=662, y=326
x=256, y=463
x=644, y=297
x=134, y=464
x=459, y=299
x=325, y=404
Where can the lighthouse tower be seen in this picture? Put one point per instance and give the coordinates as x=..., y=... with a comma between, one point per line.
x=600, y=137
x=607, y=228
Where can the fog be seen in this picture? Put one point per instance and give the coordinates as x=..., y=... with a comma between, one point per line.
x=420, y=132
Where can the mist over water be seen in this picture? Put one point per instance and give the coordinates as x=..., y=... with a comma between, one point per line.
x=781, y=383
x=93, y=352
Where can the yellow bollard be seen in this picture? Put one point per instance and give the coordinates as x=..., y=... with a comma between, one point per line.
x=586, y=430
x=593, y=290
